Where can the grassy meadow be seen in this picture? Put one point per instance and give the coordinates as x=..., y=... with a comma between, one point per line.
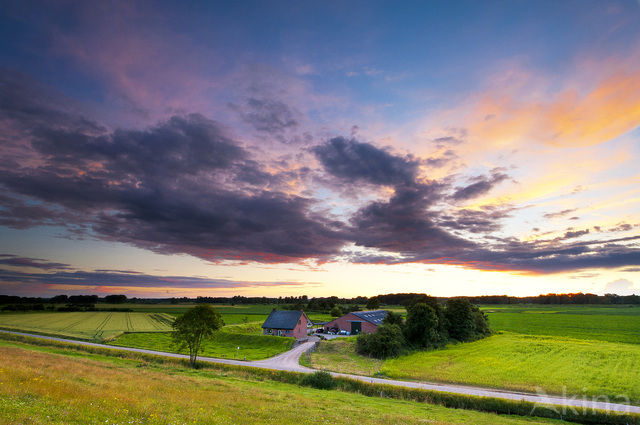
x=56, y=386
x=92, y=325
x=593, y=350
x=223, y=344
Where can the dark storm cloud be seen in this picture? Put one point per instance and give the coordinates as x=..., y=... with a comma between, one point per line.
x=38, y=263
x=405, y=224
x=169, y=188
x=480, y=186
x=354, y=161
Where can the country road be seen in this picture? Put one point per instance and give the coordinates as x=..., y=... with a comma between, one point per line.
x=289, y=361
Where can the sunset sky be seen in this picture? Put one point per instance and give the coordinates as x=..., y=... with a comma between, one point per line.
x=321, y=148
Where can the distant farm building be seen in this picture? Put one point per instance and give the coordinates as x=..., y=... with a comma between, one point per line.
x=357, y=322
x=286, y=323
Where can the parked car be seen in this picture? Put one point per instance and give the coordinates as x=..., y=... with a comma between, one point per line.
x=344, y=332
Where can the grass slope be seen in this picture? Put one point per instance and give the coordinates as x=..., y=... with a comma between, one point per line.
x=527, y=362
x=223, y=344
x=87, y=325
x=338, y=355
x=55, y=388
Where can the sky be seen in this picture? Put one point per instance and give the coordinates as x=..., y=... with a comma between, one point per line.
x=164, y=149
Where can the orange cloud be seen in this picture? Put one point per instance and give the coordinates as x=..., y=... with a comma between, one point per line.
x=570, y=118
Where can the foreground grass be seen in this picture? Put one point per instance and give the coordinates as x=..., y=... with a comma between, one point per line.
x=55, y=388
x=223, y=344
x=526, y=362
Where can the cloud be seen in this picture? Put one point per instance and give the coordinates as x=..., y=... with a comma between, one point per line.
x=354, y=161
x=575, y=234
x=171, y=188
x=185, y=185
x=620, y=287
x=480, y=186
x=270, y=116
x=106, y=281
x=38, y=263
x=559, y=213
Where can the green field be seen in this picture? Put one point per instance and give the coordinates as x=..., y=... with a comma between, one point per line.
x=97, y=325
x=57, y=386
x=223, y=344
x=602, y=323
x=528, y=362
x=231, y=314
x=593, y=350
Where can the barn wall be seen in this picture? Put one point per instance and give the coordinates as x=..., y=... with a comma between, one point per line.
x=344, y=323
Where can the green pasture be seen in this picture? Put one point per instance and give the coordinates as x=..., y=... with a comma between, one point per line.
x=223, y=344
x=529, y=363
x=96, y=325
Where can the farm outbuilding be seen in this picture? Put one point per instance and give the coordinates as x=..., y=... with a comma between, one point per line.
x=286, y=323
x=357, y=322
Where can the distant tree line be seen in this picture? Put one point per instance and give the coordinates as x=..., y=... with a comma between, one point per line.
x=316, y=304
x=429, y=324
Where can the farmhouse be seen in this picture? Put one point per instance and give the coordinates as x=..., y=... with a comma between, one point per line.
x=357, y=322
x=286, y=323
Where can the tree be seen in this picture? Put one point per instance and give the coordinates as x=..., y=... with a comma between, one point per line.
x=373, y=303
x=461, y=318
x=421, y=327
x=192, y=327
x=115, y=299
x=393, y=319
x=336, y=312
x=386, y=341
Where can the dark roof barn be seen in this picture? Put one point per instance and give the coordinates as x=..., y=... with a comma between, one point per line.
x=282, y=319
x=374, y=316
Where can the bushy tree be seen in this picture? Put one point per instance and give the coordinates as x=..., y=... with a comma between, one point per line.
x=421, y=326
x=393, y=318
x=193, y=326
x=373, y=303
x=461, y=316
x=336, y=311
x=386, y=341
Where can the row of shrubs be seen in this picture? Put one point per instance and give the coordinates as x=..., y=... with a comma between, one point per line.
x=326, y=381
x=429, y=324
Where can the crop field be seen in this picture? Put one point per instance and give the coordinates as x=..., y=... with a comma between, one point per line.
x=57, y=387
x=222, y=344
x=593, y=350
x=98, y=325
x=613, y=324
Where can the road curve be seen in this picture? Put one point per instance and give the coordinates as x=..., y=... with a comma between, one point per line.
x=289, y=361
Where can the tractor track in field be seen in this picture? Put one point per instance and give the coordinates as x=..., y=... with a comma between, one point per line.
x=288, y=361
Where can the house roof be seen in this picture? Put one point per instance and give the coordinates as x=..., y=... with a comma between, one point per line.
x=374, y=316
x=282, y=319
